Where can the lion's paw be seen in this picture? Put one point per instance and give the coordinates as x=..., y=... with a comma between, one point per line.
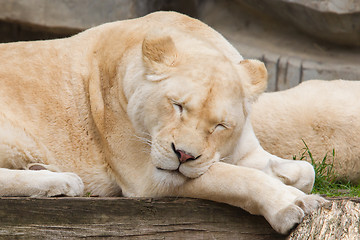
x=57, y=184
x=287, y=218
x=309, y=203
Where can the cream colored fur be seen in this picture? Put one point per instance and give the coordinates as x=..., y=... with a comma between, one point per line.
x=119, y=105
x=325, y=114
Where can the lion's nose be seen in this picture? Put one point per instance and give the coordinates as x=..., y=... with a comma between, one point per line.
x=182, y=155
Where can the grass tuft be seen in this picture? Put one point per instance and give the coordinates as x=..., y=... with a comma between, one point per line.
x=326, y=178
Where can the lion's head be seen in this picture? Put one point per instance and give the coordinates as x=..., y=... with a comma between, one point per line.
x=192, y=102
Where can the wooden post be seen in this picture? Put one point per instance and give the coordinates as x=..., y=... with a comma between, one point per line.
x=338, y=219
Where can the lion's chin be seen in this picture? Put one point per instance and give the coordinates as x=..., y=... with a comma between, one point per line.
x=169, y=177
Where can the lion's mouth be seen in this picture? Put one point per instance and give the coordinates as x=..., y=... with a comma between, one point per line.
x=162, y=169
x=175, y=171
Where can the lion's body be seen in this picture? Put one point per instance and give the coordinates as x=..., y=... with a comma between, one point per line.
x=53, y=114
x=144, y=107
x=325, y=114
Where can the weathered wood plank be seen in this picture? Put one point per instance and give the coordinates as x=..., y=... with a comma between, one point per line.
x=338, y=219
x=140, y=218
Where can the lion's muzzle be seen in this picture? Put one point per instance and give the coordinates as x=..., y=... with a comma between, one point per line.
x=182, y=155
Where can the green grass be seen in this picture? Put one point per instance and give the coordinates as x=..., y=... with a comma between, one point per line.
x=326, y=178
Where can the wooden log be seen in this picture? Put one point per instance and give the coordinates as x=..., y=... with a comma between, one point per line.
x=338, y=219
x=165, y=218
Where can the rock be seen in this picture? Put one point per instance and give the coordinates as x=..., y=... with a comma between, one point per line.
x=335, y=21
x=335, y=6
x=71, y=15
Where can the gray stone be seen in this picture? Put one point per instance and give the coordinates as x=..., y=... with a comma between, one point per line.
x=328, y=71
x=289, y=71
x=335, y=6
x=71, y=14
x=271, y=62
x=335, y=21
x=294, y=72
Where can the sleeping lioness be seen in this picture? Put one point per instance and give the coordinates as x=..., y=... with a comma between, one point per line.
x=150, y=107
x=324, y=114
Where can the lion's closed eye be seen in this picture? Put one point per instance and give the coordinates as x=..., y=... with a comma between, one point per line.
x=221, y=126
x=178, y=106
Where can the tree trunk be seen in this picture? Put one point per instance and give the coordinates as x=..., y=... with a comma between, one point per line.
x=338, y=219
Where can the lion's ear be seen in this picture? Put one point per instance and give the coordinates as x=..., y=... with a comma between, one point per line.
x=159, y=55
x=257, y=78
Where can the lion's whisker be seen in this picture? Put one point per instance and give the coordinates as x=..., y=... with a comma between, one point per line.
x=224, y=159
x=143, y=140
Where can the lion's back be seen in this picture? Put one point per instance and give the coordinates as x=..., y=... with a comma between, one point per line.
x=325, y=114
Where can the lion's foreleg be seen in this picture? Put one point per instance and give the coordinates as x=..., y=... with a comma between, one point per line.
x=249, y=153
x=39, y=183
x=283, y=206
x=299, y=174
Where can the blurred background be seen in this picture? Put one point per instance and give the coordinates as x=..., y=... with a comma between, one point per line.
x=297, y=39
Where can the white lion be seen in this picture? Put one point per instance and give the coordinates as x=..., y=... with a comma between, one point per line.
x=323, y=114
x=150, y=107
